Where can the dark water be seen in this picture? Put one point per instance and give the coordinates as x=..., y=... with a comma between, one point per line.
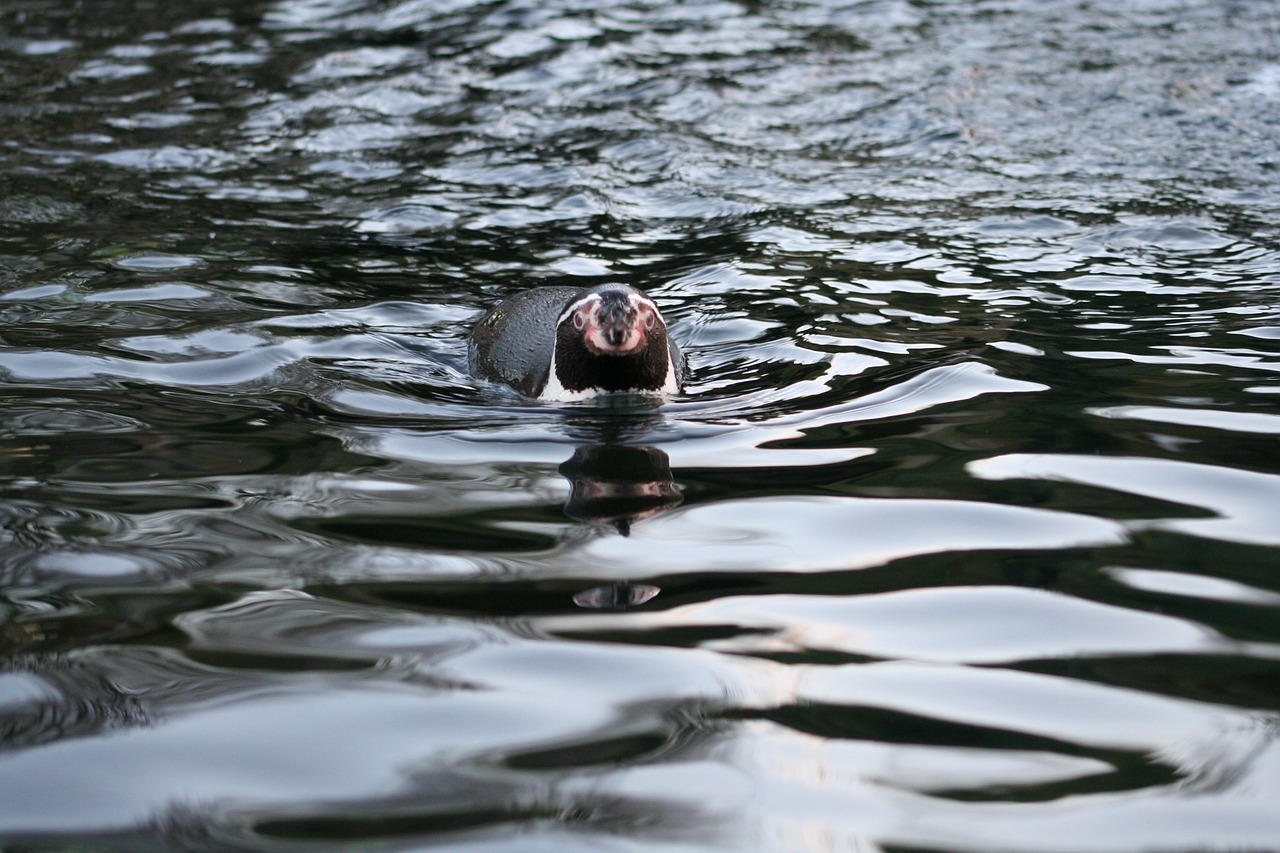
x=966, y=535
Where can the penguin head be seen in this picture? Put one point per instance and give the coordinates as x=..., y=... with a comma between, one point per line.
x=614, y=320
x=611, y=338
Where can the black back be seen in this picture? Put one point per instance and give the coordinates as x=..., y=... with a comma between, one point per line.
x=514, y=342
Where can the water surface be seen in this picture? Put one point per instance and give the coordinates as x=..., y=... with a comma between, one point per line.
x=963, y=536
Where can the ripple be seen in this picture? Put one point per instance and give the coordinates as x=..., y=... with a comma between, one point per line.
x=1188, y=356
x=37, y=210
x=1252, y=422
x=1238, y=500
x=238, y=369
x=822, y=534
x=52, y=419
x=961, y=535
x=1194, y=586
x=288, y=623
x=87, y=564
x=407, y=217
x=383, y=714
x=154, y=293
x=169, y=158
x=976, y=625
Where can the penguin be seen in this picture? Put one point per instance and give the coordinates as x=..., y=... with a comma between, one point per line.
x=563, y=344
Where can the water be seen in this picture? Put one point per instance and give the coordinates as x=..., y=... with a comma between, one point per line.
x=963, y=537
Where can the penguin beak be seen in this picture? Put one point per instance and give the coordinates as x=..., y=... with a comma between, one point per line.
x=616, y=323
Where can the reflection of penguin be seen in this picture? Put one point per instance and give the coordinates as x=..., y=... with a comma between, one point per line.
x=567, y=343
x=618, y=485
x=616, y=596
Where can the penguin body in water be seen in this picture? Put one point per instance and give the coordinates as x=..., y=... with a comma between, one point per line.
x=563, y=344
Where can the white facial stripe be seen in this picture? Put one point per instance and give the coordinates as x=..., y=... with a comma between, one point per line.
x=639, y=301
x=575, y=305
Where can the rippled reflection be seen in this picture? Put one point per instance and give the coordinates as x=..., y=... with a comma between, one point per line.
x=619, y=485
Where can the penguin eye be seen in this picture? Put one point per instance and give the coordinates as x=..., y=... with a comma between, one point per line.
x=650, y=319
x=579, y=321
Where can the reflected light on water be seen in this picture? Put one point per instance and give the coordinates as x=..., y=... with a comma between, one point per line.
x=962, y=537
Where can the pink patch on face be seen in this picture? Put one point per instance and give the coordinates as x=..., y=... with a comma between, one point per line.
x=625, y=336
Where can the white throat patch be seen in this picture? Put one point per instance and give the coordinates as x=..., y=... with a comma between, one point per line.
x=555, y=392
